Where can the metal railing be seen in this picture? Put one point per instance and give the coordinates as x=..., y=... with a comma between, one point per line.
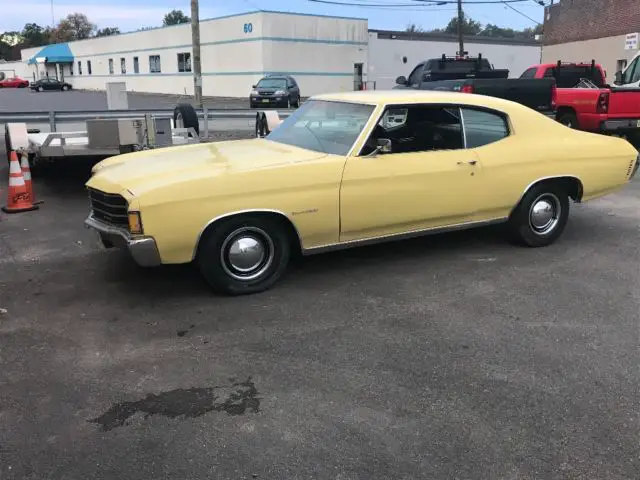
x=54, y=118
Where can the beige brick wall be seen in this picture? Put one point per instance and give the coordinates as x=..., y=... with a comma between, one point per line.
x=606, y=51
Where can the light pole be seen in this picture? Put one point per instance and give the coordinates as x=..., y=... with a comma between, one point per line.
x=195, y=40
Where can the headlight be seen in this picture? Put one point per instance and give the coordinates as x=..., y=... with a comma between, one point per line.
x=135, y=223
x=280, y=92
x=254, y=92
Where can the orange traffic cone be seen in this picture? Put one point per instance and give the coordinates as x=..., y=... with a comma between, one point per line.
x=18, y=198
x=26, y=174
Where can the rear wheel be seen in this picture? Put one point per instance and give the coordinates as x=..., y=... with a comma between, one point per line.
x=541, y=216
x=244, y=255
x=568, y=119
x=65, y=88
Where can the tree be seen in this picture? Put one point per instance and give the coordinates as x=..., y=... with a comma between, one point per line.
x=107, y=31
x=76, y=26
x=35, y=36
x=175, y=17
x=413, y=28
x=469, y=26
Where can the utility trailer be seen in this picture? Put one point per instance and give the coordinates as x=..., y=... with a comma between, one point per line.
x=103, y=138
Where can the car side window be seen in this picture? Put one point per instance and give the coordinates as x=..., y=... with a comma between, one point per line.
x=415, y=76
x=482, y=127
x=632, y=74
x=529, y=73
x=417, y=128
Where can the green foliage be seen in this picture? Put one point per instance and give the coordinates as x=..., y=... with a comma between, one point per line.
x=175, y=17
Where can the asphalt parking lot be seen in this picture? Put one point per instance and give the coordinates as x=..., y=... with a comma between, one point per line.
x=451, y=357
x=24, y=100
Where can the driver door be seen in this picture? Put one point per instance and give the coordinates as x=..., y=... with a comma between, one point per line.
x=429, y=180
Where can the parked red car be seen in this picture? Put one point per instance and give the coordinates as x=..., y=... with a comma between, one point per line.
x=584, y=100
x=14, y=82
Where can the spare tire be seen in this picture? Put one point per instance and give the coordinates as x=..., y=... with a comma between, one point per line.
x=184, y=115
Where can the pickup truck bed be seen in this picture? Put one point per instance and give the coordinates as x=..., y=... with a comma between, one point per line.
x=536, y=94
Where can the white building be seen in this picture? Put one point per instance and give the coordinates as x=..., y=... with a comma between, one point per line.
x=392, y=54
x=323, y=53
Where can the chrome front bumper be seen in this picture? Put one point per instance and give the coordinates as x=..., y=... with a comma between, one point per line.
x=143, y=249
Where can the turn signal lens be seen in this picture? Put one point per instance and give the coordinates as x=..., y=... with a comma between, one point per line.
x=135, y=223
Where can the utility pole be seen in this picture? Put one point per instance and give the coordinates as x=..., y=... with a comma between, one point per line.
x=460, y=36
x=195, y=40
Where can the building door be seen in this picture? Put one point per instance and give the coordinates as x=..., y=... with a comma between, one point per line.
x=357, y=76
x=61, y=67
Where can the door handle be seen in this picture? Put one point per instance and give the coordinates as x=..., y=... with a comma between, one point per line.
x=469, y=162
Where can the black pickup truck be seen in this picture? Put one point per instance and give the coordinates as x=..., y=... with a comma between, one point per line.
x=477, y=75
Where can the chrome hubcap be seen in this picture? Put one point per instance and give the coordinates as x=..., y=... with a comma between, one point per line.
x=247, y=253
x=544, y=214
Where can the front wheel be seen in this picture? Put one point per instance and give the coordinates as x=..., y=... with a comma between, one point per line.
x=541, y=216
x=244, y=255
x=40, y=89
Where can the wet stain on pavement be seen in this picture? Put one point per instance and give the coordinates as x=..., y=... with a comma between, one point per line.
x=234, y=399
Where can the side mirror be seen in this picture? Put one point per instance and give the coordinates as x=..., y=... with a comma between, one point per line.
x=384, y=145
x=254, y=86
x=401, y=80
x=618, y=80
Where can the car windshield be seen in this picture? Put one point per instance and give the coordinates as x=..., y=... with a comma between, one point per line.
x=322, y=126
x=272, y=83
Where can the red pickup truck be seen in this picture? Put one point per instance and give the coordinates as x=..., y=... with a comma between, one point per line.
x=585, y=101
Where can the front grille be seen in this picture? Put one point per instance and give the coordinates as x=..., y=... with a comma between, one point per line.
x=109, y=208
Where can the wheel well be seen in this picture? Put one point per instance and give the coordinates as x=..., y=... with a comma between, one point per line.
x=562, y=110
x=571, y=185
x=281, y=218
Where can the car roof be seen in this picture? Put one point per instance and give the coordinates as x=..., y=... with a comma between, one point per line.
x=382, y=97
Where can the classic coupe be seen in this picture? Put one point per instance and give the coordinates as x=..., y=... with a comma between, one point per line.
x=350, y=169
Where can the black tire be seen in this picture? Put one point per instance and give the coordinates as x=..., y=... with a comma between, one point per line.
x=40, y=89
x=188, y=115
x=522, y=224
x=296, y=104
x=217, y=269
x=568, y=119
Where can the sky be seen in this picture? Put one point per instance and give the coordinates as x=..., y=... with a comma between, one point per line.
x=130, y=15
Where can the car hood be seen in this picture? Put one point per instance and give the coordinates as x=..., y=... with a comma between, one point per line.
x=140, y=172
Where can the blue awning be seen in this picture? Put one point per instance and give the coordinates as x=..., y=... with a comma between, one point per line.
x=57, y=53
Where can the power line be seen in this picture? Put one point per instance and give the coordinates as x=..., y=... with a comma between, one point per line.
x=416, y=2
x=386, y=6
x=520, y=13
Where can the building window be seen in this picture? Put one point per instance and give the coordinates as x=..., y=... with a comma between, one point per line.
x=184, y=62
x=79, y=68
x=111, y=66
x=88, y=67
x=154, y=64
x=136, y=65
x=123, y=66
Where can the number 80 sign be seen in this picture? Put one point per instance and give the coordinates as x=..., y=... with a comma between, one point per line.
x=248, y=27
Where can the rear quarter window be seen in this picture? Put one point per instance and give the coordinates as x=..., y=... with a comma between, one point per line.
x=529, y=73
x=483, y=128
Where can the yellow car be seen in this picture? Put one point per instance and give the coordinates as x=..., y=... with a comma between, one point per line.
x=349, y=169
